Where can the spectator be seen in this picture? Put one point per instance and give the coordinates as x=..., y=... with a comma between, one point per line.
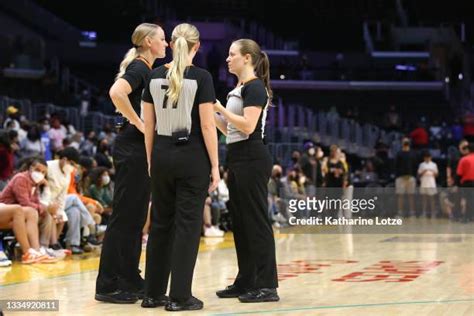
x=405, y=182
x=335, y=175
x=295, y=159
x=24, y=189
x=88, y=147
x=468, y=127
x=14, y=145
x=59, y=176
x=465, y=171
x=78, y=218
x=420, y=137
x=277, y=206
x=85, y=102
x=392, y=119
x=80, y=181
x=368, y=177
x=109, y=134
x=32, y=144
x=309, y=166
x=428, y=171
x=99, y=189
x=6, y=160
x=457, y=131
x=209, y=229
x=454, y=181
x=76, y=140
x=12, y=120
x=24, y=222
x=102, y=156
x=45, y=140
x=57, y=134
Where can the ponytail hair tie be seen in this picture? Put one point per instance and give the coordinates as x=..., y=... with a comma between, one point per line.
x=135, y=46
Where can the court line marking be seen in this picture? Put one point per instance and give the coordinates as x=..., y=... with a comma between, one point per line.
x=285, y=310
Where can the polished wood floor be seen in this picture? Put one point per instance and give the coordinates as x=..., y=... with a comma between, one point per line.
x=320, y=274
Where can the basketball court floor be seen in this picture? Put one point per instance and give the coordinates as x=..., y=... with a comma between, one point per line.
x=320, y=274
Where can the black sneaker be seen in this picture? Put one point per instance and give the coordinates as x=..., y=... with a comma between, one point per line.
x=191, y=304
x=230, y=292
x=56, y=246
x=93, y=241
x=149, y=302
x=76, y=250
x=117, y=297
x=260, y=295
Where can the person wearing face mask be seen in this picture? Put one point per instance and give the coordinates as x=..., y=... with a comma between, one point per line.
x=23, y=189
x=59, y=176
x=295, y=159
x=119, y=279
x=99, y=189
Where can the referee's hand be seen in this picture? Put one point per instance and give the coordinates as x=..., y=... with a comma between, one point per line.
x=215, y=178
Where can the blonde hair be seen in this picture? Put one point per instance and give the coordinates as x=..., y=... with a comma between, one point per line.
x=184, y=37
x=138, y=36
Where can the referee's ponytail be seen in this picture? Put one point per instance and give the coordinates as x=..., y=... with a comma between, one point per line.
x=138, y=36
x=183, y=39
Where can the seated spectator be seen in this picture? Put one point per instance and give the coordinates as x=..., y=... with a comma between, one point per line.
x=23, y=189
x=78, y=218
x=59, y=176
x=88, y=147
x=102, y=156
x=367, y=176
x=80, y=181
x=99, y=189
x=32, y=145
x=209, y=229
x=24, y=223
x=214, y=206
x=6, y=160
x=277, y=206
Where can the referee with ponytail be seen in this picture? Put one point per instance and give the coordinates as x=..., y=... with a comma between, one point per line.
x=181, y=146
x=119, y=279
x=250, y=164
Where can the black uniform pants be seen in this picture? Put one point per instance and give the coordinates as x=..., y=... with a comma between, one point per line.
x=180, y=180
x=250, y=167
x=122, y=244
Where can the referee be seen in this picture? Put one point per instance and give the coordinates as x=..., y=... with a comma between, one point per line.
x=181, y=147
x=250, y=165
x=119, y=278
